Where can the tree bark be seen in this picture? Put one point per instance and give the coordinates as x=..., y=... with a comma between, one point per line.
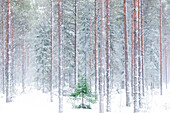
x=7, y=53
x=75, y=47
x=135, y=55
x=60, y=56
x=142, y=51
x=139, y=56
x=12, y=58
x=166, y=67
x=51, y=77
x=126, y=56
x=23, y=66
x=102, y=73
x=161, y=47
x=3, y=51
x=95, y=46
x=108, y=57
x=132, y=46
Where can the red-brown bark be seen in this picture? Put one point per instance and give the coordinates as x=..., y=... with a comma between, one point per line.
x=51, y=76
x=95, y=46
x=126, y=54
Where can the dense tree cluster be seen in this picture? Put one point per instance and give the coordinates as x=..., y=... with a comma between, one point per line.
x=112, y=44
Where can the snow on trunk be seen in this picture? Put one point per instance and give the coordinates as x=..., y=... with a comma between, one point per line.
x=102, y=66
x=60, y=56
x=108, y=109
x=135, y=55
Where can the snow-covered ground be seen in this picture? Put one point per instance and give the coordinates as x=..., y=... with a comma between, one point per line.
x=36, y=102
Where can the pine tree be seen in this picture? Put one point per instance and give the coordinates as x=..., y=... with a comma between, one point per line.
x=43, y=60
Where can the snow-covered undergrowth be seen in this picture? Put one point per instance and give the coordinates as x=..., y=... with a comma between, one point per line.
x=34, y=101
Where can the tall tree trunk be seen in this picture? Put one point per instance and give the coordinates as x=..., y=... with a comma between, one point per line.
x=51, y=77
x=12, y=58
x=75, y=46
x=60, y=56
x=95, y=46
x=3, y=51
x=139, y=55
x=90, y=58
x=166, y=67
x=132, y=46
x=108, y=57
x=142, y=51
x=102, y=73
x=23, y=66
x=126, y=56
x=161, y=47
x=7, y=53
x=135, y=55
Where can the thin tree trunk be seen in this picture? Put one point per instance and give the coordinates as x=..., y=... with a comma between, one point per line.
x=161, y=47
x=126, y=56
x=101, y=101
x=12, y=58
x=166, y=67
x=7, y=53
x=108, y=57
x=75, y=46
x=3, y=76
x=95, y=46
x=135, y=55
x=139, y=56
x=132, y=46
x=142, y=51
x=51, y=77
x=60, y=56
x=23, y=66
x=90, y=54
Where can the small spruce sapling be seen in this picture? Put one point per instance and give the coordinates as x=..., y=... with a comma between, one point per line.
x=83, y=92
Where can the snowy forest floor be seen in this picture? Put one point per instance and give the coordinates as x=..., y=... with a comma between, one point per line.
x=34, y=101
